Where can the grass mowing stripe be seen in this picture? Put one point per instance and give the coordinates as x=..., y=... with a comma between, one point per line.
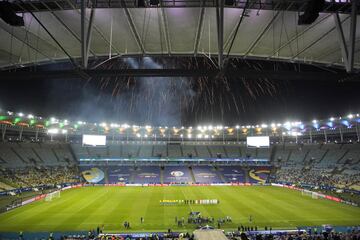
x=85, y=208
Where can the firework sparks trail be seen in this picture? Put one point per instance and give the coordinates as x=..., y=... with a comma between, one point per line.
x=166, y=100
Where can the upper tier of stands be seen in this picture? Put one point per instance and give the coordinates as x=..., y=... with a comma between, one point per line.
x=21, y=155
x=168, y=151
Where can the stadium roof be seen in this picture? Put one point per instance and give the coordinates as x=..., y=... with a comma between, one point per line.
x=267, y=31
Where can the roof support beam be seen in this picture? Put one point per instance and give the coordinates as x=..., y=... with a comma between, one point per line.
x=317, y=40
x=85, y=34
x=199, y=28
x=235, y=31
x=299, y=35
x=347, y=52
x=83, y=41
x=115, y=74
x=296, y=5
x=89, y=35
x=351, y=51
x=220, y=32
x=259, y=37
x=334, y=50
x=9, y=55
x=133, y=28
x=166, y=30
x=51, y=36
x=343, y=47
x=7, y=28
x=69, y=30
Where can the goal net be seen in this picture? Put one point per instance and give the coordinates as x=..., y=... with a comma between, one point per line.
x=311, y=194
x=50, y=196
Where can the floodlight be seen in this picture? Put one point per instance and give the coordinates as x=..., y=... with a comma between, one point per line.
x=53, y=131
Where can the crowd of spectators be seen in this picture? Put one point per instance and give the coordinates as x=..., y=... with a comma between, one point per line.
x=32, y=177
x=354, y=234
x=316, y=177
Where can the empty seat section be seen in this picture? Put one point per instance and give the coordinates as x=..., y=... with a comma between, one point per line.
x=8, y=155
x=202, y=151
x=263, y=153
x=115, y=151
x=232, y=173
x=160, y=151
x=217, y=151
x=233, y=151
x=176, y=174
x=174, y=151
x=146, y=151
x=147, y=174
x=189, y=150
x=97, y=152
x=206, y=174
x=130, y=150
x=119, y=174
x=80, y=151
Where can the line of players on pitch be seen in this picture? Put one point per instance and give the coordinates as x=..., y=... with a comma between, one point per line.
x=196, y=218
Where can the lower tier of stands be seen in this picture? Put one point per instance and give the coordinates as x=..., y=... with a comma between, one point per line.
x=174, y=174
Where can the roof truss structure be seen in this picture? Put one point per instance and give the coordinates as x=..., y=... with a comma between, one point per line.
x=57, y=30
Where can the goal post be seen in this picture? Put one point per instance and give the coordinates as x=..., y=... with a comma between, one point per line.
x=305, y=192
x=50, y=196
x=313, y=195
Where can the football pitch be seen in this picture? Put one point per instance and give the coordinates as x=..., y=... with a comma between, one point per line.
x=88, y=207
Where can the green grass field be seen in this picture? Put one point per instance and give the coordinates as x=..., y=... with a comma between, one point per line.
x=86, y=208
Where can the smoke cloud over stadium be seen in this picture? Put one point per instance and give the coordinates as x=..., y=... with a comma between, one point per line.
x=159, y=99
x=178, y=101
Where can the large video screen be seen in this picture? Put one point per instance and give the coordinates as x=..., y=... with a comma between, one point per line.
x=94, y=140
x=258, y=142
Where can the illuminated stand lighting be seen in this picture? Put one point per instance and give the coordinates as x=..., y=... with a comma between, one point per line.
x=289, y=129
x=55, y=131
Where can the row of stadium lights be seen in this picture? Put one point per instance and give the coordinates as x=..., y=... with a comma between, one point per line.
x=199, y=128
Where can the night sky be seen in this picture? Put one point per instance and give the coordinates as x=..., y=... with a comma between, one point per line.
x=76, y=99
